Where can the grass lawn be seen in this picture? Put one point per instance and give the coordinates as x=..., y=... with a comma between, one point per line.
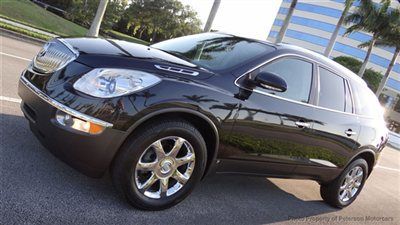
x=28, y=13
x=121, y=36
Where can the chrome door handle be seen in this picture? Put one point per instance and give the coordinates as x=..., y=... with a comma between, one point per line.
x=349, y=132
x=301, y=124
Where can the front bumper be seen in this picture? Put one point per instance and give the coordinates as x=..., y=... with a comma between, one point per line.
x=89, y=154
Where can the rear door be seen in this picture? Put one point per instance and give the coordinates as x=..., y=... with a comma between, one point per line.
x=336, y=126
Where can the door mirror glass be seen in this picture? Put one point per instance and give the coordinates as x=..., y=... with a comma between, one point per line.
x=270, y=81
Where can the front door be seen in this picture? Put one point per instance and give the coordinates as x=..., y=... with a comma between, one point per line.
x=273, y=130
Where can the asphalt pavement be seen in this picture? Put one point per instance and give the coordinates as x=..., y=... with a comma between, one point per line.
x=37, y=188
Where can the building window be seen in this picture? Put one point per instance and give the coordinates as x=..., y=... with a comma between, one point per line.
x=346, y=49
x=392, y=83
x=319, y=10
x=386, y=101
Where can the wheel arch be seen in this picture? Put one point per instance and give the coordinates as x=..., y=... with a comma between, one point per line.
x=369, y=156
x=203, y=123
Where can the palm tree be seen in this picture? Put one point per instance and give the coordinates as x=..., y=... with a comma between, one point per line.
x=285, y=25
x=332, y=41
x=95, y=26
x=372, y=19
x=146, y=95
x=389, y=69
x=392, y=39
x=211, y=16
x=226, y=106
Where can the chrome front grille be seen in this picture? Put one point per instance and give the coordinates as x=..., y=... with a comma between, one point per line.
x=54, y=55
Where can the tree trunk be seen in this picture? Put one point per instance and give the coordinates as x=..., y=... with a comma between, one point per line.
x=142, y=29
x=153, y=39
x=364, y=65
x=332, y=41
x=95, y=27
x=285, y=25
x=387, y=73
x=211, y=16
x=139, y=32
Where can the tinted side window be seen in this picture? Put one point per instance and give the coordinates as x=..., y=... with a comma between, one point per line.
x=349, y=101
x=332, y=90
x=297, y=74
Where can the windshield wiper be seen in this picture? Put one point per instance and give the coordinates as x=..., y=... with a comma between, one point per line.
x=183, y=57
x=179, y=55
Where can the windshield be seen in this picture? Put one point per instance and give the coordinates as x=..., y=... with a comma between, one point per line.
x=214, y=51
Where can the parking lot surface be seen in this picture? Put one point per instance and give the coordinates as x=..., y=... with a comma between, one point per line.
x=37, y=188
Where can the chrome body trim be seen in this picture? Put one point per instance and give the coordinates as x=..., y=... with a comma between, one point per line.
x=68, y=46
x=62, y=107
x=290, y=100
x=302, y=124
x=177, y=70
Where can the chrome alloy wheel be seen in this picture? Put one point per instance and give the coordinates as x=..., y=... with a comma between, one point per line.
x=164, y=167
x=351, y=184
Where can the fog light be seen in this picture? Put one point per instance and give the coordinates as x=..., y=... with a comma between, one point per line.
x=78, y=124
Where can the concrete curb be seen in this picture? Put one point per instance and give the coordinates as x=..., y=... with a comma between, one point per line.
x=27, y=27
x=16, y=35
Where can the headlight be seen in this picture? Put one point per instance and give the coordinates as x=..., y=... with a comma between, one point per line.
x=108, y=83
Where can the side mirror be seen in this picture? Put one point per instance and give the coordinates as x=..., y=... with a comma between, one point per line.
x=270, y=81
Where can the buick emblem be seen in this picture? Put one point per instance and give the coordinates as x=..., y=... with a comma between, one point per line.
x=44, y=50
x=42, y=53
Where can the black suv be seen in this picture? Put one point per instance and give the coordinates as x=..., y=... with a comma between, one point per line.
x=161, y=117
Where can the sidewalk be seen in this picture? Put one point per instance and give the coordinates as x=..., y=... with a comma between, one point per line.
x=27, y=27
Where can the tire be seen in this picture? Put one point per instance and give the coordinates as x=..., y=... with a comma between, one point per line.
x=331, y=193
x=140, y=160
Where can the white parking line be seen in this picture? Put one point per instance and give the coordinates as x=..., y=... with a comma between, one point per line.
x=8, y=99
x=14, y=56
x=387, y=168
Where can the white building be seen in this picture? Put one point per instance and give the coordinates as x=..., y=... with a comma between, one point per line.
x=311, y=26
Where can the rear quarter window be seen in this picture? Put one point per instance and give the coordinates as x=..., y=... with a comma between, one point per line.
x=367, y=103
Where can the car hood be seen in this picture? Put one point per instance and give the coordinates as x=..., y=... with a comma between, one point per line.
x=106, y=53
x=98, y=46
